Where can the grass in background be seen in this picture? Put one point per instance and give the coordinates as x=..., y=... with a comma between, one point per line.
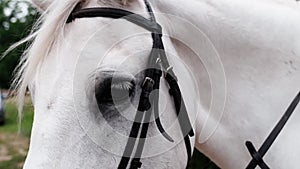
x=11, y=118
x=14, y=147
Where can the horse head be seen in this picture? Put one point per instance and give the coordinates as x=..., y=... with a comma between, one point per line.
x=87, y=78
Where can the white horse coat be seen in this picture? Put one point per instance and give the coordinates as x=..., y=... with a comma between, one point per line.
x=237, y=63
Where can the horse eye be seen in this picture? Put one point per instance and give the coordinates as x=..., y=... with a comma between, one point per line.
x=115, y=93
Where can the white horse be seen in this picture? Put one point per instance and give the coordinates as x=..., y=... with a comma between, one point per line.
x=237, y=63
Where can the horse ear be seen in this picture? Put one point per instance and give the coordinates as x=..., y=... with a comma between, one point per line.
x=42, y=5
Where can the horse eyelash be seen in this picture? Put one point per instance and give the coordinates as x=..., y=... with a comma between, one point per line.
x=123, y=86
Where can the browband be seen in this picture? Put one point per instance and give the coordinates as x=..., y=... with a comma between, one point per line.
x=116, y=14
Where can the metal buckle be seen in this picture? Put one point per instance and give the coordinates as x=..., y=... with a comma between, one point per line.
x=158, y=60
x=148, y=80
x=170, y=68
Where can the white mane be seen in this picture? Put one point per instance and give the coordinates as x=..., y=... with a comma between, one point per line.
x=47, y=31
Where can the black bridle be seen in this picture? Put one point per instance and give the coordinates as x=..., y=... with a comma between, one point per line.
x=257, y=156
x=158, y=65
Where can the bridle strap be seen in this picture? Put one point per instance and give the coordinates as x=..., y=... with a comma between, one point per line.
x=158, y=63
x=115, y=13
x=257, y=156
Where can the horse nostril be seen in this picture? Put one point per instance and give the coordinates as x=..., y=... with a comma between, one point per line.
x=114, y=87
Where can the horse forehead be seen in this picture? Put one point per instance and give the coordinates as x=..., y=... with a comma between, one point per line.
x=106, y=31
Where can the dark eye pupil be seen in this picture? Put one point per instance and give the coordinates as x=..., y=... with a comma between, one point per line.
x=119, y=95
x=114, y=95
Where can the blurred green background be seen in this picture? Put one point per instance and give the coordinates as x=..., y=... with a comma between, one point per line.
x=16, y=20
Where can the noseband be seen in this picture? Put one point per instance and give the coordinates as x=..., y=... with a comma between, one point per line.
x=158, y=65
